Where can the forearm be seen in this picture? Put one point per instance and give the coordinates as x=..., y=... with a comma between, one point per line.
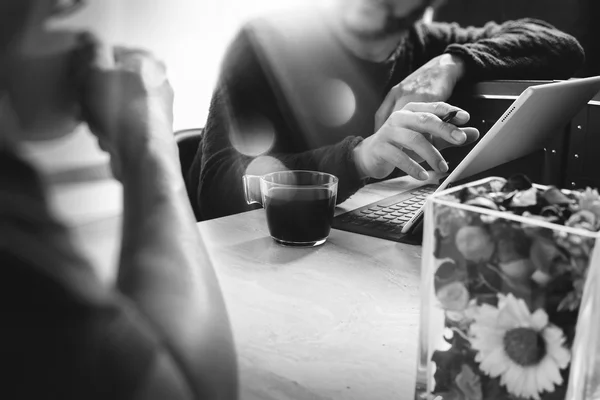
x=166, y=271
x=158, y=232
x=220, y=183
x=522, y=49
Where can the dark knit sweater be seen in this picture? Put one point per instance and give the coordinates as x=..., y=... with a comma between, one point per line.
x=291, y=96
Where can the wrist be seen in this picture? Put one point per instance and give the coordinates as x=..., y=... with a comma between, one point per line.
x=151, y=154
x=358, y=163
x=454, y=64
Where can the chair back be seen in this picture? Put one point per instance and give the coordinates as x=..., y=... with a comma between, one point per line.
x=188, y=141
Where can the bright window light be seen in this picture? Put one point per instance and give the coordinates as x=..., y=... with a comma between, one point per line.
x=191, y=36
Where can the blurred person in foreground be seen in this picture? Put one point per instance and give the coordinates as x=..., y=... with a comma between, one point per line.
x=356, y=89
x=162, y=332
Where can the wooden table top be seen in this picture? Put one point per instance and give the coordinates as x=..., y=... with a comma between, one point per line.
x=339, y=321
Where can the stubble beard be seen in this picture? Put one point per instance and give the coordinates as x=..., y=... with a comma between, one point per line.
x=393, y=26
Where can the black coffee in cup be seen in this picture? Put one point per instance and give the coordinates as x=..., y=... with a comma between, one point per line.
x=299, y=205
x=297, y=215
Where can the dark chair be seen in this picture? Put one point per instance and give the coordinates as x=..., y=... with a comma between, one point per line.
x=188, y=141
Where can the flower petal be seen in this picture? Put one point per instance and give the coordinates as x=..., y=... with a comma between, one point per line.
x=551, y=370
x=495, y=363
x=511, y=379
x=542, y=380
x=507, y=319
x=522, y=313
x=500, y=366
x=514, y=313
x=520, y=385
x=530, y=388
x=562, y=357
x=554, y=339
x=539, y=319
x=553, y=334
x=487, y=337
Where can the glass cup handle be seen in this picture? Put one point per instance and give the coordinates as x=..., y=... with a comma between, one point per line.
x=252, y=189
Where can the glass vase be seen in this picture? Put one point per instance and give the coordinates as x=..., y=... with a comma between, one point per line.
x=508, y=306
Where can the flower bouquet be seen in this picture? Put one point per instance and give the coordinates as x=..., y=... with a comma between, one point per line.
x=505, y=264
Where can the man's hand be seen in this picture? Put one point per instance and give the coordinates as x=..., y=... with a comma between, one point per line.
x=411, y=135
x=433, y=82
x=128, y=103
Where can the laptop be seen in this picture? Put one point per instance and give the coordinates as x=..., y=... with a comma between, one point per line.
x=525, y=127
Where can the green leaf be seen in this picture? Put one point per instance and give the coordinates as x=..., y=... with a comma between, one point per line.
x=448, y=366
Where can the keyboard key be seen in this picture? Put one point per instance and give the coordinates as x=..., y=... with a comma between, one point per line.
x=387, y=217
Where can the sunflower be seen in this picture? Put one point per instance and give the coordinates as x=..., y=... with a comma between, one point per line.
x=521, y=348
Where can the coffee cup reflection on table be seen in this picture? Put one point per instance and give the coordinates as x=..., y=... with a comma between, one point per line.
x=299, y=205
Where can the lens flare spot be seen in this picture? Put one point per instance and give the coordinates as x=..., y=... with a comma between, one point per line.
x=253, y=137
x=263, y=165
x=335, y=103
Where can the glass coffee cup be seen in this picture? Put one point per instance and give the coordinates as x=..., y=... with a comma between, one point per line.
x=299, y=205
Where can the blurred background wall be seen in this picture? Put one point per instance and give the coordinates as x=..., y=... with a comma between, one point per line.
x=192, y=35
x=189, y=35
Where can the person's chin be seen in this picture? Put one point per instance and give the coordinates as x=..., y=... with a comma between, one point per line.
x=366, y=29
x=45, y=126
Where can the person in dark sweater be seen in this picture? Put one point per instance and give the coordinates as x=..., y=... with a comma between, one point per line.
x=162, y=330
x=357, y=90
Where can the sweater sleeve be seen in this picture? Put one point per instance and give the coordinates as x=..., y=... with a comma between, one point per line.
x=250, y=131
x=521, y=49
